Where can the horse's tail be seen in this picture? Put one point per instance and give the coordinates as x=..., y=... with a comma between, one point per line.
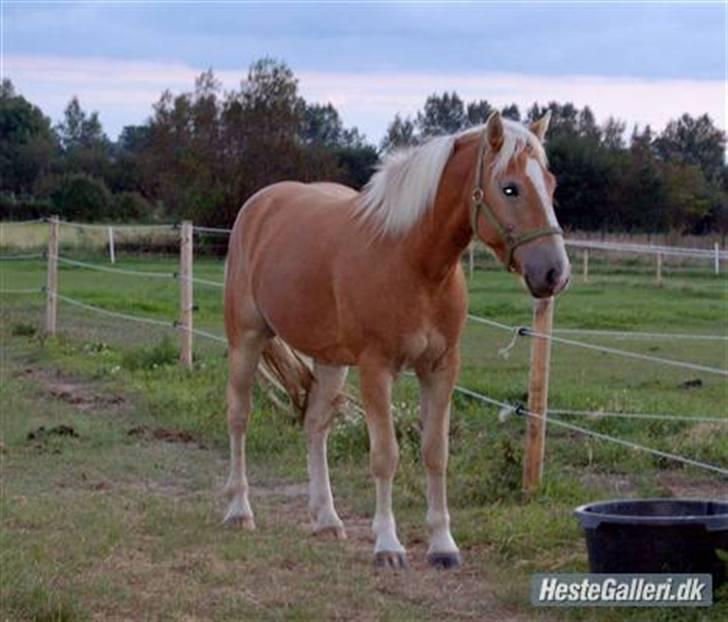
x=287, y=370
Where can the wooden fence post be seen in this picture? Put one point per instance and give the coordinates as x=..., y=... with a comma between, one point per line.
x=586, y=265
x=185, y=290
x=112, y=254
x=716, y=258
x=538, y=391
x=658, y=275
x=52, y=277
x=471, y=259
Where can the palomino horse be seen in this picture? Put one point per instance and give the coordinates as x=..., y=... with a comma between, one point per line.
x=374, y=279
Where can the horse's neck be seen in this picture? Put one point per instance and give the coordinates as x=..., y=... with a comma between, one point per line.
x=438, y=241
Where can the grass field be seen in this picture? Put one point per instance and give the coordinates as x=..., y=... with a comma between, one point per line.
x=118, y=518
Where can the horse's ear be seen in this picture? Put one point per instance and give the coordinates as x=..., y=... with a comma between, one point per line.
x=539, y=127
x=494, y=130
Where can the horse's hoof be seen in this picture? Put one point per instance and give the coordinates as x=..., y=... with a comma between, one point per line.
x=337, y=531
x=390, y=559
x=445, y=561
x=239, y=521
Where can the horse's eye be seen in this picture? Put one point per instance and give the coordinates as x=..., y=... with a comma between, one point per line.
x=510, y=190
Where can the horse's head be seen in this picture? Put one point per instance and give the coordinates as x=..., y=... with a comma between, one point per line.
x=512, y=204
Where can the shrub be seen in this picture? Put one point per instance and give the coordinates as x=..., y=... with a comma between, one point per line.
x=81, y=197
x=130, y=206
x=163, y=353
x=23, y=329
x=23, y=208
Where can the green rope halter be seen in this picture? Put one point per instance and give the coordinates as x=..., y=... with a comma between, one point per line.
x=479, y=206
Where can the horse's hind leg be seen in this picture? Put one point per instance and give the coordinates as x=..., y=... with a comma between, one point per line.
x=243, y=358
x=317, y=423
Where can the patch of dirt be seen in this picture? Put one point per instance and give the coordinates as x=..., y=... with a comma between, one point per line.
x=164, y=434
x=83, y=396
x=704, y=432
x=692, y=384
x=42, y=433
x=682, y=486
x=671, y=483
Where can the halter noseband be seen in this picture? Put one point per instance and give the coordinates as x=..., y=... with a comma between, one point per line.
x=478, y=206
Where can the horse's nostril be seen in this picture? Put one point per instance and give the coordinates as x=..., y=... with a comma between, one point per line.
x=552, y=276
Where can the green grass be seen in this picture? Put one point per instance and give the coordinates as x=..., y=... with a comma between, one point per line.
x=157, y=522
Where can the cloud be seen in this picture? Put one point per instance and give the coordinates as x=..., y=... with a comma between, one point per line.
x=123, y=91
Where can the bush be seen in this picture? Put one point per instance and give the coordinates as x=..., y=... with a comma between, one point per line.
x=130, y=206
x=163, y=353
x=23, y=208
x=81, y=197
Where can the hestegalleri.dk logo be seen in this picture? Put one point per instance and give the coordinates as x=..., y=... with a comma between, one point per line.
x=621, y=590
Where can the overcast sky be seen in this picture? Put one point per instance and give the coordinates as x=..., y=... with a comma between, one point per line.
x=644, y=63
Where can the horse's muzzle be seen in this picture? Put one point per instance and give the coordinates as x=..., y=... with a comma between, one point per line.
x=546, y=270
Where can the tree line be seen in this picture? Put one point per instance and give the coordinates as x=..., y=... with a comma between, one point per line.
x=201, y=154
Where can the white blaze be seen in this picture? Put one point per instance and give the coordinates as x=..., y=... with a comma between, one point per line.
x=535, y=174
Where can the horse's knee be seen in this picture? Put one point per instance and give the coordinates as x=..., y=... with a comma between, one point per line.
x=434, y=456
x=383, y=460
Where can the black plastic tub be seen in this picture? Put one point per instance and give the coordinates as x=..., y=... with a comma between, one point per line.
x=656, y=535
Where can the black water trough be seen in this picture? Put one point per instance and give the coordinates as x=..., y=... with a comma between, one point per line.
x=656, y=535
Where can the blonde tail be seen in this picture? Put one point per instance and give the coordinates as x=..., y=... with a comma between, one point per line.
x=286, y=370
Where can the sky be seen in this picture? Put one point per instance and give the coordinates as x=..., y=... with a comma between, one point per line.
x=640, y=62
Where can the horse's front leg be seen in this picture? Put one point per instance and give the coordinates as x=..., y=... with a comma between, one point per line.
x=435, y=394
x=376, y=388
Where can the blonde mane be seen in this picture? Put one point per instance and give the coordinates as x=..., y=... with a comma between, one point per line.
x=405, y=184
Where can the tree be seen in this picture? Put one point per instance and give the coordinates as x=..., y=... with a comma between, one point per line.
x=612, y=133
x=442, y=114
x=79, y=130
x=84, y=146
x=321, y=125
x=586, y=125
x=356, y=164
x=638, y=188
x=687, y=198
x=478, y=112
x=694, y=140
x=511, y=112
x=27, y=142
x=400, y=134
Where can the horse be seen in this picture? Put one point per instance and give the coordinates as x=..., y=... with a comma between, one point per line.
x=373, y=279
